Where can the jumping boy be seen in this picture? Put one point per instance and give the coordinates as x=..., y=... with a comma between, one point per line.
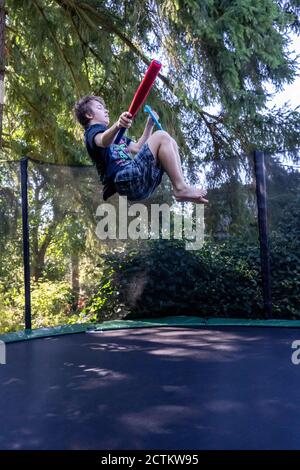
x=137, y=177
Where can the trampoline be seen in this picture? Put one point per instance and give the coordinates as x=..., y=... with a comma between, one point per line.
x=208, y=387
x=175, y=384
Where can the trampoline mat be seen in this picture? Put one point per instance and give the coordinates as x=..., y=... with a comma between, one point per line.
x=152, y=388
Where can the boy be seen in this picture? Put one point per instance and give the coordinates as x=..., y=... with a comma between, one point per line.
x=138, y=177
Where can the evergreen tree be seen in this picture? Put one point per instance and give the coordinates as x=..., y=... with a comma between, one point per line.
x=215, y=52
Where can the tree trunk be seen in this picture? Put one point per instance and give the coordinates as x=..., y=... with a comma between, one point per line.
x=75, y=279
x=2, y=63
x=39, y=261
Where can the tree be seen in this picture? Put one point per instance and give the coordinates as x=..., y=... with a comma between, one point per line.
x=216, y=52
x=2, y=63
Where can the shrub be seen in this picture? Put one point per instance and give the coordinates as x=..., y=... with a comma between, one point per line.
x=161, y=278
x=50, y=303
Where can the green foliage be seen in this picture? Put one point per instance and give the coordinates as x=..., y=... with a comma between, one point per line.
x=51, y=305
x=163, y=278
x=284, y=209
x=285, y=262
x=221, y=53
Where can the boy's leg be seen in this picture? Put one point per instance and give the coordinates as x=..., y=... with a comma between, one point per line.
x=164, y=148
x=175, y=146
x=174, y=143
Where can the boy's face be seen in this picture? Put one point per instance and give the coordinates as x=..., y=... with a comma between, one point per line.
x=99, y=114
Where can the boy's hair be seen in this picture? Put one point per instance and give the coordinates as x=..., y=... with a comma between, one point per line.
x=82, y=107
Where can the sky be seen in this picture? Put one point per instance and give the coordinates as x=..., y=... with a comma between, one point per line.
x=291, y=92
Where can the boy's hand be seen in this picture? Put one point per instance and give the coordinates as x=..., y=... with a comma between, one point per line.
x=125, y=120
x=150, y=118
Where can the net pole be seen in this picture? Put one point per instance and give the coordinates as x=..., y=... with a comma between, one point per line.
x=25, y=226
x=261, y=199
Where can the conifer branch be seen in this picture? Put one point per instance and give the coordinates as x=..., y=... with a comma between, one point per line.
x=108, y=25
x=56, y=42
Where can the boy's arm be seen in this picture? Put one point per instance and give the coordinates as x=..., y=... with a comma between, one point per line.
x=106, y=138
x=135, y=147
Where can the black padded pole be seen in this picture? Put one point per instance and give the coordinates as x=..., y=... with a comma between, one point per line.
x=261, y=198
x=26, y=262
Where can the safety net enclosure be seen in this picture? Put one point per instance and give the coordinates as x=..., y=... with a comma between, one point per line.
x=92, y=261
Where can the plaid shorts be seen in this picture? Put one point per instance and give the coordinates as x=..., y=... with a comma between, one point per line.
x=139, y=178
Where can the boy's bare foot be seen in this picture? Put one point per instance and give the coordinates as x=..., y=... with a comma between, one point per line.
x=190, y=194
